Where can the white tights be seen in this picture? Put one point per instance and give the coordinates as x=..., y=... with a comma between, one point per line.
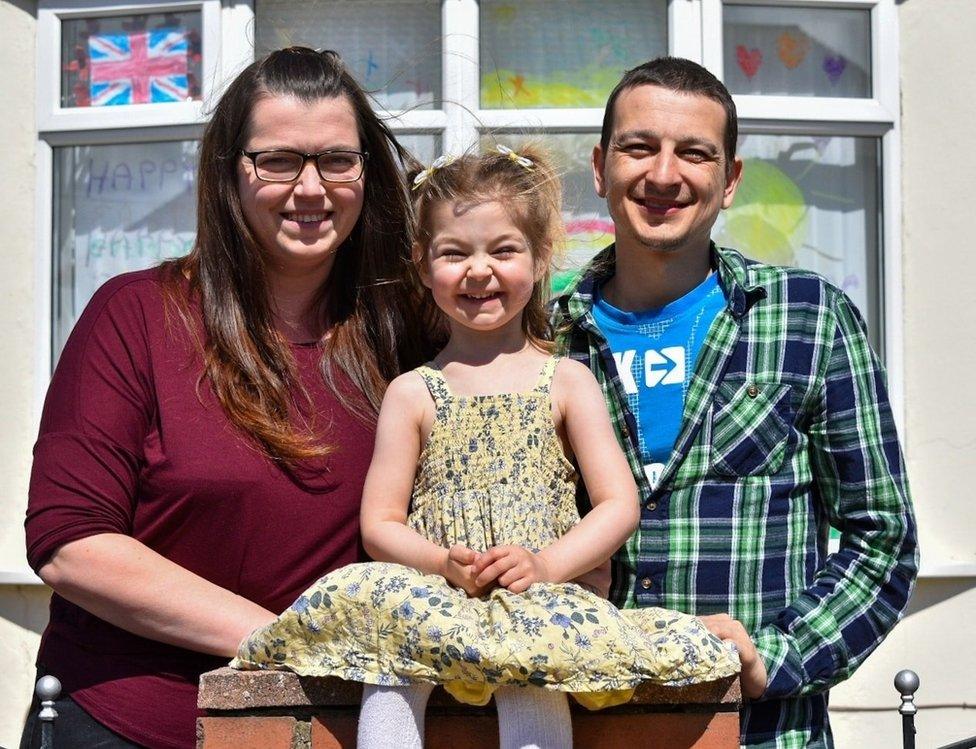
x=528, y=718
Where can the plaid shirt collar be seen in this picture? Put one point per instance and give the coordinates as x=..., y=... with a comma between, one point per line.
x=733, y=278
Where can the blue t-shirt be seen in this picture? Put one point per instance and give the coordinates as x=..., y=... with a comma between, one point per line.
x=655, y=351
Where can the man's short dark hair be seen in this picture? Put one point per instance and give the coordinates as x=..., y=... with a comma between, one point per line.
x=685, y=76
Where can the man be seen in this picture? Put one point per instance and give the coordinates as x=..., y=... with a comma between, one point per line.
x=753, y=412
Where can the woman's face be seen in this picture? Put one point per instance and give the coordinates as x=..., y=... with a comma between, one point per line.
x=300, y=224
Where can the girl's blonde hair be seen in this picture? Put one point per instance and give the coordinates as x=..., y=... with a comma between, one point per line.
x=525, y=183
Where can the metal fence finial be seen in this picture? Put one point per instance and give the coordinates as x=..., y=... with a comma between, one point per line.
x=907, y=683
x=47, y=689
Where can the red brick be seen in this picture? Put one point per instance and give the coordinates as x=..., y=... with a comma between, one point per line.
x=335, y=730
x=597, y=731
x=657, y=731
x=266, y=732
x=468, y=731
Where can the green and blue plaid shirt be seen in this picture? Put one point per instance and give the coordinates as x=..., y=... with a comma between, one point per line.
x=786, y=431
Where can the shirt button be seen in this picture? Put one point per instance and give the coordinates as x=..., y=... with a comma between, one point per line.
x=752, y=391
x=651, y=506
x=625, y=433
x=646, y=583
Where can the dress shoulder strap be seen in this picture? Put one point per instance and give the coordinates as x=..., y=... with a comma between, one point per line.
x=434, y=380
x=544, y=383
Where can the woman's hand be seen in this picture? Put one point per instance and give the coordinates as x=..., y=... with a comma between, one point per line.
x=512, y=567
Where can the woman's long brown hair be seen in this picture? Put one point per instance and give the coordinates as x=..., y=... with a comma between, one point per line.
x=375, y=317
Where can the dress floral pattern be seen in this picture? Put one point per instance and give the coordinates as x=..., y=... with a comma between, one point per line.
x=493, y=472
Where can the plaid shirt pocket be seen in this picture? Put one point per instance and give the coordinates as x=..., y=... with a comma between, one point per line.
x=750, y=424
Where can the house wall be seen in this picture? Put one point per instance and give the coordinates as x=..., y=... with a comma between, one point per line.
x=23, y=608
x=938, y=108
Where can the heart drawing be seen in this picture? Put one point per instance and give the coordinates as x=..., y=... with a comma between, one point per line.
x=750, y=60
x=834, y=67
x=792, y=49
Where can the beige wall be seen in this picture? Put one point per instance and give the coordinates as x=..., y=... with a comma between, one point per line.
x=17, y=238
x=23, y=615
x=938, y=168
x=23, y=610
x=939, y=164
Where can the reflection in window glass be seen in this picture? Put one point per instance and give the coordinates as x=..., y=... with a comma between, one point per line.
x=392, y=47
x=564, y=53
x=811, y=202
x=150, y=58
x=117, y=208
x=585, y=216
x=797, y=51
x=424, y=148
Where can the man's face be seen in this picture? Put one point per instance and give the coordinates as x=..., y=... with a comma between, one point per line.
x=664, y=172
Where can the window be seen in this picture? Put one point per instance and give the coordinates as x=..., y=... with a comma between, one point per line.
x=815, y=82
x=130, y=59
x=117, y=208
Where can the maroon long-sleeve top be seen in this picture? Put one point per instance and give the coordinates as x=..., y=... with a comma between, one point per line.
x=131, y=442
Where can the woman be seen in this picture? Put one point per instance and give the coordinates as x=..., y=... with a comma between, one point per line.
x=207, y=432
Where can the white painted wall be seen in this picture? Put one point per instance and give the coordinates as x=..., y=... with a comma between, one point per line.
x=23, y=610
x=938, y=170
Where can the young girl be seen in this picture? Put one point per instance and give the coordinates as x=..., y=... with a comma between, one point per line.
x=469, y=504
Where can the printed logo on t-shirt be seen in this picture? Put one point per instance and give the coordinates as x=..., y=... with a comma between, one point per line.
x=664, y=367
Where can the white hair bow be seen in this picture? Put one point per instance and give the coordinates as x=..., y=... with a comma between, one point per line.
x=520, y=160
x=439, y=163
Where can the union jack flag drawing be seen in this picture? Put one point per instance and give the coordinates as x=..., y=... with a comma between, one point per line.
x=138, y=68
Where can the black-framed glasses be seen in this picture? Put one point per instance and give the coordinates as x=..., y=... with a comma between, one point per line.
x=284, y=166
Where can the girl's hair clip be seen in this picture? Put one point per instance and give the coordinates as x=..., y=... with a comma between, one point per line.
x=520, y=160
x=439, y=163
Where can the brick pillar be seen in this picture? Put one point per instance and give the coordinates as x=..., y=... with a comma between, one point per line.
x=279, y=710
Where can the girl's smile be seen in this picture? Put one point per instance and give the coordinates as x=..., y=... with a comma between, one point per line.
x=479, y=268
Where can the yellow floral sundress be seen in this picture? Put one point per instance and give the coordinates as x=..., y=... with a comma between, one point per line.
x=492, y=473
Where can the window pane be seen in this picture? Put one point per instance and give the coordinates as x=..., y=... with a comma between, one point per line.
x=546, y=53
x=812, y=202
x=424, y=148
x=797, y=51
x=392, y=47
x=138, y=59
x=117, y=208
x=585, y=216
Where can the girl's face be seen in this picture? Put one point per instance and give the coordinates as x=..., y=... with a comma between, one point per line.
x=300, y=224
x=479, y=267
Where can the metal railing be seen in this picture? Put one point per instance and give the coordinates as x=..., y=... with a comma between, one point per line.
x=48, y=688
x=907, y=683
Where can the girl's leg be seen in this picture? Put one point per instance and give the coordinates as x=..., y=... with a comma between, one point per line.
x=393, y=717
x=533, y=718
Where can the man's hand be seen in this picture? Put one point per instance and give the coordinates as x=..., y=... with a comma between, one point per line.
x=460, y=572
x=753, y=676
x=512, y=567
